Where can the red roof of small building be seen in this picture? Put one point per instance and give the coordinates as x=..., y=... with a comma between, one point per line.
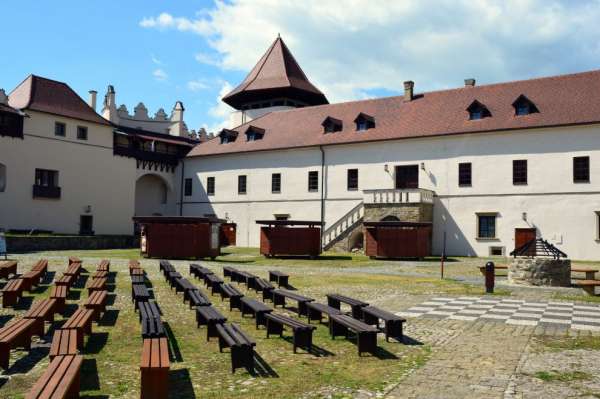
x=561, y=100
x=45, y=95
x=277, y=74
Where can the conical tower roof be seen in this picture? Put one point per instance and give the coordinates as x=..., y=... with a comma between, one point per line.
x=276, y=75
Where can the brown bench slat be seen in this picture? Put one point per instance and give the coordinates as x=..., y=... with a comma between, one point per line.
x=64, y=342
x=7, y=268
x=81, y=321
x=97, y=302
x=154, y=368
x=11, y=292
x=15, y=334
x=60, y=380
x=41, y=311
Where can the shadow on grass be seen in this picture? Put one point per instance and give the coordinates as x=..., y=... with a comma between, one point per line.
x=406, y=340
x=48, y=278
x=110, y=299
x=96, y=342
x=314, y=350
x=383, y=354
x=262, y=368
x=28, y=362
x=109, y=318
x=74, y=295
x=89, y=375
x=174, y=352
x=180, y=384
x=24, y=303
x=70, y=308
x=5, y=318
x=81, y=281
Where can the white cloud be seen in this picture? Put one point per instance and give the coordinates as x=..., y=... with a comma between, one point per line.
x=160, y=75
x=197, y=85
x=207, y=59
x=349, y=48
x=155, y=60
x=220, y=111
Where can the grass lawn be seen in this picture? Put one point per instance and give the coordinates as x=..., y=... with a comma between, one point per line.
x=112, y=353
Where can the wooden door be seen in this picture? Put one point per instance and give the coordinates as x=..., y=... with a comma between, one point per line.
x=523, y=236
x=407, y=176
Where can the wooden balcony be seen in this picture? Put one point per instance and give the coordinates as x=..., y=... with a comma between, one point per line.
x=398, y=196
x=150, y=156
x=46, y=192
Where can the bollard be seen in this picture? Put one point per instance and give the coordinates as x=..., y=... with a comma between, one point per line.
x=489, y=277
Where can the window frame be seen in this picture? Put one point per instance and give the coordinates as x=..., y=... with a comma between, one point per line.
x=311, y=180
x=517, y=172
x=82, y=129
x=242, y=184
x=188, y=185
x=586, y=178
x=273, y=181
x=42, y=178
x=210, y=185
x=352, y=181
x=481, y=215
x=461, y=174
x=64, y=129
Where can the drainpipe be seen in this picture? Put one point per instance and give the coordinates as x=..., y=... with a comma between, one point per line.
x=181, y=188
x=322, y=194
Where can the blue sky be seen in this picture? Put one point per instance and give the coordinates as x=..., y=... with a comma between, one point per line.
x=195, y=51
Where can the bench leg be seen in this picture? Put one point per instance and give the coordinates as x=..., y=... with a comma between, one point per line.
x=366, y=342
x=357, y=312
x=303, y=339
x=393, y=328
x=336, y=329
x=155, y=384
x=9, y=298
x=274, y=328
x=242, y=356
x=333, y=303
x=73, y=392
x=4, y=355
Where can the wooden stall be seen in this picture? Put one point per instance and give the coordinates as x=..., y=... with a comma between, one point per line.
x=290, y=237
x=397, y=239
x=179, y=237
x=228, y=233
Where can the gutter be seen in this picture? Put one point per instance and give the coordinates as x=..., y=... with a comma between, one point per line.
x=181, y=188
x=322, y=194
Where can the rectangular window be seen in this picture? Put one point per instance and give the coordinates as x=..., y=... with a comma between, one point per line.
x=60, y=129
x=520, y=171
x=187, y=190
x=276, y=183
x=82, y=133
x=464, y=174
x=282, y=216
x=313, y=181
x=581, y=169
x=486, y=226
x=210, y=186
x=352, y=179
x=407, y=176
x=46, y=178
x=242, y=184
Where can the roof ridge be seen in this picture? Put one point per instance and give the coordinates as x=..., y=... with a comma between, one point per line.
x=265, y=57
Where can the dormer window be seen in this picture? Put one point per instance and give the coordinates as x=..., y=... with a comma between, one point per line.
x=227, y=136
x=254, y=133
x=478, y=111
x=364, y=122
x=331, y=125
x=524, y=106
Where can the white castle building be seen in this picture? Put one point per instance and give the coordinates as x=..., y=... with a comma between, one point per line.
x=486, y=165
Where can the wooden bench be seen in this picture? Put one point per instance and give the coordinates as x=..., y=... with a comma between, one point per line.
x=183, y=285
x=256, y=309
x=15, y=335
x=209, y=316
x=154, y=368
x=228, y=270
x=280, y=278
x=302, y=331
x=241, y=345
x=60, y=380
x=334, y=301
x=41, y=311
x=590, y=274
x=97, y=302
x=392, y=323
x=148, y=310
x=316, y=310
x=240, y=276
x=214, y=283
x=197, y=298
x=172, y=276
x=199, y=271
x=31, y=279
x=59, y=294
x=8, y=268
x=97, y=284
x=137, y=272
x=100, y=274
x=66, y=280
x=41, y=265
x=588, y=286
x=133, y=265
x=74, y=259
x=150, y=320
x=233, y=294
x=279, y=297
x=80, y=321
x=138, y=280
x=64, y=342
x=166, y=267
x=366, y=335
x=139, y=293
x=103, y=266
x=74, y=269
x=12, y=292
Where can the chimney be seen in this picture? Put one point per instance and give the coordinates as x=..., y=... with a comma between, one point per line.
x=92, y=100
x=409, y=85
x=469, y=82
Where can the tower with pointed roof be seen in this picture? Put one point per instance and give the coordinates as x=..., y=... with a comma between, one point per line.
x=275, y=83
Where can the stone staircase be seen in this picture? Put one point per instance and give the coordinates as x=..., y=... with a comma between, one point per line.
x=344, y=226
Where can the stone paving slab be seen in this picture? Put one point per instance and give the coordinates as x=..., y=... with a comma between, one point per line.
x=510, y=311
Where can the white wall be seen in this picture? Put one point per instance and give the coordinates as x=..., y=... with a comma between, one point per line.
x=562, y=210
x=89, y=174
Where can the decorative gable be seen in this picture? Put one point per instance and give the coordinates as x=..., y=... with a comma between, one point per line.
x=524, y=106
x=364, y=122
x=478, y=111
x=254, y=133
x=331, y=125
x=227, y=136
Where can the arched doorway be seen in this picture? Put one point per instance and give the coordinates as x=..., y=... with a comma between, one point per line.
x=356, y=240
x=152, y=194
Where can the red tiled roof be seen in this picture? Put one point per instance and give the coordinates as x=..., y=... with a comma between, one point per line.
x=46, y=95
x=277, y=73
x=561, y=100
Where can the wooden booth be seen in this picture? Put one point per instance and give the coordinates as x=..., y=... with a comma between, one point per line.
x=228, y=234
x=179, y=237
x=290, y=237
x=397, y=239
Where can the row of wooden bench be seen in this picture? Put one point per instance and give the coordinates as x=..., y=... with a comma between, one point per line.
x=13, y=291
x=62, y=376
